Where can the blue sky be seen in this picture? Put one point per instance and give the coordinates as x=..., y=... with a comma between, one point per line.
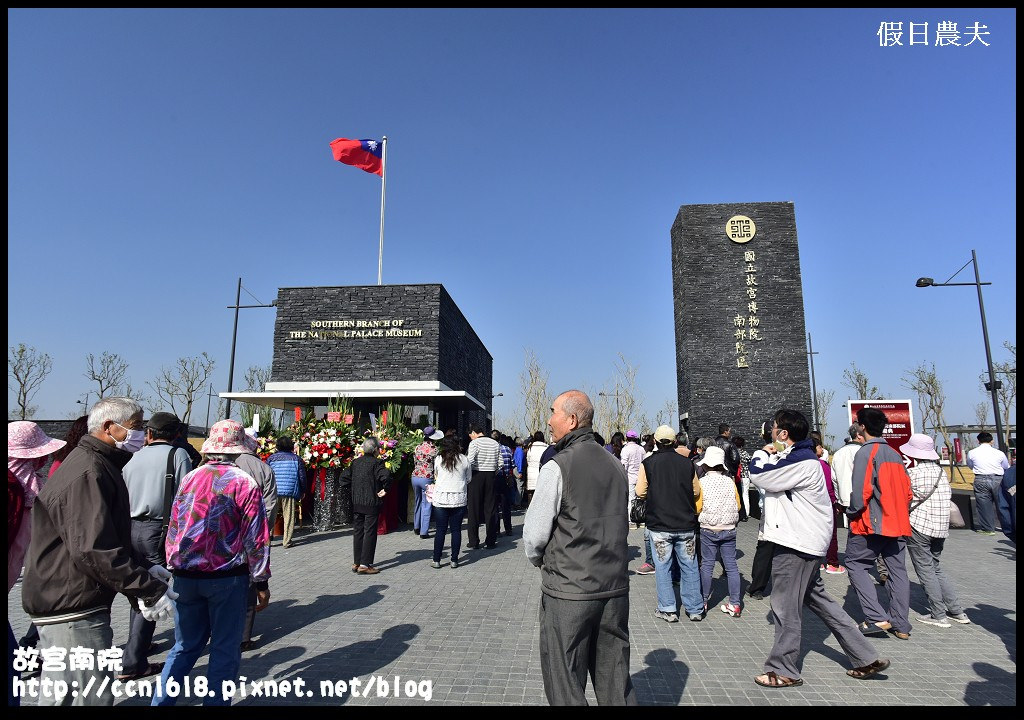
x=536, y=162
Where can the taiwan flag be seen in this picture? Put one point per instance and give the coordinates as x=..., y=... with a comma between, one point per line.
x=365, y=154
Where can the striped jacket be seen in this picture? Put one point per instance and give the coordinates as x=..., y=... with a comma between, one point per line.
x=881, y=495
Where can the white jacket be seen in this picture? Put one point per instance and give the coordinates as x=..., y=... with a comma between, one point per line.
x=797, y=509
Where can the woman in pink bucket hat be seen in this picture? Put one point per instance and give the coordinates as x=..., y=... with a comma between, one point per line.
x=28, y=448
x=929, y=525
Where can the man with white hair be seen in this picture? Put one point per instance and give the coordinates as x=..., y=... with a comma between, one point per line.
x=80, y=555
x=575, y=534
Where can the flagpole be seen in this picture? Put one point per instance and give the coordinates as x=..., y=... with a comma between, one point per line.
x=383, y=185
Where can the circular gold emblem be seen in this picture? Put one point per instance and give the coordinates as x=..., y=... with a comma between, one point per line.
x=740, y=229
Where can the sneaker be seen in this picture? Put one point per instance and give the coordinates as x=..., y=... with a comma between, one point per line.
x=454, y=563
x=756, y=595
x=436, y=565
x=696, y=617
x=961, y=618
x=732, y=610
x=835, y=569
x=645, y=569
x=666, y=616
x=929, y=620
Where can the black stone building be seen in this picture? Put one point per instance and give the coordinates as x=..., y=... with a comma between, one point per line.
x=741, y=350
x=375, y=344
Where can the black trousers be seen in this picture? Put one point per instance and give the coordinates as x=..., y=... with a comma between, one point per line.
x=761, y=573
x=147, y=549
x=503, y=495
x=481, y=508
x=251, y=598
x=364, y=536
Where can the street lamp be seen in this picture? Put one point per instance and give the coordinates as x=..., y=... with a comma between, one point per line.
x=618, y=418
x=234, y=337
x=814, y=390
x=991, y=385
x=85, y=405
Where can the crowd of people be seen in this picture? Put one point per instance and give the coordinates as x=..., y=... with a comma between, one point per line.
x=131, y=508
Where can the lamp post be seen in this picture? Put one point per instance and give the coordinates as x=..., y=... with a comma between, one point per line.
x=209, y=397
x=618, y=418
x=85, y=405
x=234, y=338
x=929, y=282
x=491, y=415
x=814, y=389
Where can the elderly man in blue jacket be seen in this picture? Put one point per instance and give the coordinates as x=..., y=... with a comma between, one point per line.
x=290, y=475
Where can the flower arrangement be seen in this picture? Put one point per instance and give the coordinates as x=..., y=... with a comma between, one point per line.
x=326, y=447
x=334, y=444
x=265, y=447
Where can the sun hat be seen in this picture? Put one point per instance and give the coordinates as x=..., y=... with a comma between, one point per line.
x=227, y=437
x=26, y=440
x=920, y=447
x=664, y=432
x=713, y=456
x=632, y=434
x=430, y=433
x=163, y=422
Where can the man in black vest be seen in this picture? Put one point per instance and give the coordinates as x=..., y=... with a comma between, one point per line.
x=575, y=533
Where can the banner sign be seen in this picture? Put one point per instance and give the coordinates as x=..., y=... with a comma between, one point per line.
x=298, y=414
x=899, y=413
x=334, y=417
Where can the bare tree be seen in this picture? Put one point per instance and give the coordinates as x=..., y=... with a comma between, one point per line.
x=855, y=379
x=533, y=386
x=931, y=398
x=1006, y=375
x=108, y=372
x=667, y=415
x=981, y=414
x=626, y=394
x=824, y=400
x=26, y=370
x=256, y=378
x=179, y=385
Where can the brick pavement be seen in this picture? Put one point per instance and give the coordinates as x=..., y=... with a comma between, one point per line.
x=472, y=631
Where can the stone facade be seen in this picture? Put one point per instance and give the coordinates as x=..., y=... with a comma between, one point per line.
x=380, y=333
x=738, y=304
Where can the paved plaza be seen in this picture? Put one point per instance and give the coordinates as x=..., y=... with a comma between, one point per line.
x=472, y=632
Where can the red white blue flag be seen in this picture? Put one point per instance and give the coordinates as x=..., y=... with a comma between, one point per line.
x=365, y=154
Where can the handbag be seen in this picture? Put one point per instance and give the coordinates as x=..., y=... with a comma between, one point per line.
x=638, y=511
x=956, y=520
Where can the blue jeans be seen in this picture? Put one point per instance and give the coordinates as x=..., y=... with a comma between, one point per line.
x=209, y=609
x=986, y=490
x=445, y=518
x=421, y=507
x=649, y=556
x=683, y=546
x=711, y=542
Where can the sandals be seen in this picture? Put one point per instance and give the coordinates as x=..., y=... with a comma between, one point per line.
x=867, y=671
x=775, y=680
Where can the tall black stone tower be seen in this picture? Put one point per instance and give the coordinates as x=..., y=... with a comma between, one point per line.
x=741, y=348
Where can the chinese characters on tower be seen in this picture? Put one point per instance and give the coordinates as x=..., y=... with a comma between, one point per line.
x=748, y=326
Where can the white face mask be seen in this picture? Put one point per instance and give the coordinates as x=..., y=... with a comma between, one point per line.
x=133, y=442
